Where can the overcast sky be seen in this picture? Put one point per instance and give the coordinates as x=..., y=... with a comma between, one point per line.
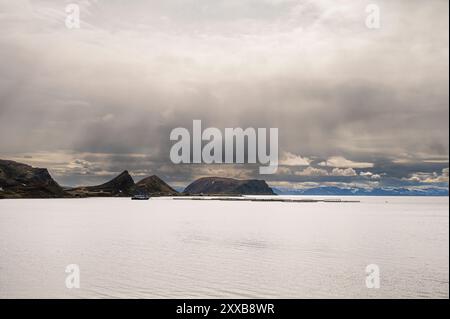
x=353, y=105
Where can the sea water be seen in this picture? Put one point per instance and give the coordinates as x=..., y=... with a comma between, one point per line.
x=164, y=248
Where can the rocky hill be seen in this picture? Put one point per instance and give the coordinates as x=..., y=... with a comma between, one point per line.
x=228, y=186
x=123, y=186
x=120, y=186
x=155, y=186
x=19, y=180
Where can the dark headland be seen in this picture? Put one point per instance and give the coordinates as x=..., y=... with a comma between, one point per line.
x=228, y=186
x=19, y=180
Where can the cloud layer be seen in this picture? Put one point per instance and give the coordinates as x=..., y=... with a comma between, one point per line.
x=90, y=102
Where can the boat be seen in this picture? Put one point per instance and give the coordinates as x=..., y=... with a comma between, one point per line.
x=140, y=197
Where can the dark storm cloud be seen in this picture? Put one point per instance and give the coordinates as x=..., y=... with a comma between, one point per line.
x=111, y=92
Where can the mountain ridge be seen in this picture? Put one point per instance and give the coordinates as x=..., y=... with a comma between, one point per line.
x=18, y=180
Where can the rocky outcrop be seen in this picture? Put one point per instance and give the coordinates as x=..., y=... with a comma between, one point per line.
x=120, y=186
x=19, y=180
x=228, y=186
x=155, y=186
x=124, y=186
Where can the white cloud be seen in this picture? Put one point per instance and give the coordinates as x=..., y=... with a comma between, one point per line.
x=376, y=176
x=370, y=175
x=312, y=171
x=415, y=178
x=293, y=185
x=341, y=162
x=422, y=177
x=343, y=172
x=290, y=159
x=366, y=174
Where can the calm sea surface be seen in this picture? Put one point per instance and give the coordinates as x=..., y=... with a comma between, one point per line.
x=195, y=249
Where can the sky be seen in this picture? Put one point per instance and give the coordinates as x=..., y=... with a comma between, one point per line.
x=354, y=106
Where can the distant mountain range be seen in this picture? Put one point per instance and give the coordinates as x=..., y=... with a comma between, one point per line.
x=338, y=191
